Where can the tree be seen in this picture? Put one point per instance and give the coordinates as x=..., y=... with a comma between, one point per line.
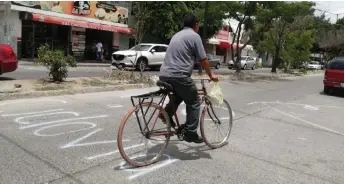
x=289, y=17
x=254, y=18
x=165, y=18
x=296, y=48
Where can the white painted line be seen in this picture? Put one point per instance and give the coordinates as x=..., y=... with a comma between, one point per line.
x=17, y=120
x=35, y=100
x=301, y=138
x=319, y=126
x=153, y=168
x=76, y=143
x=28, y=113
x=114, y=106
x=37, y=132
x=63, y=120
x=111, y=153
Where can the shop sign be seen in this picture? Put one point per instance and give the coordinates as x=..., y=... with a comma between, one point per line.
x=223, y=35
x=90, y=9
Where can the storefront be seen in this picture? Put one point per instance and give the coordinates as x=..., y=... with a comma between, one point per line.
x=73, y=26
x=219, y=45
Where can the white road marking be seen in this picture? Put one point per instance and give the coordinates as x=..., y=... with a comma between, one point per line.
x=37, y=132
x=63, y=120
x=115, y=106
x=309, y=107
x=151, y=169
x=319, y=126
x=17, y=120
x=34, y=100
x=301, y=138
x=76, y=143
x=29, y=113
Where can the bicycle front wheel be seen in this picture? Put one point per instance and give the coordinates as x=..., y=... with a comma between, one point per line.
x=142, y=136
x=216, y=124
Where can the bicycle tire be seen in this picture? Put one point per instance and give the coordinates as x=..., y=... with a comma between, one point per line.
x=202, y=124
x=121, y=148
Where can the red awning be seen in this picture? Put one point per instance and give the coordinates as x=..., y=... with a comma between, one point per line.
x=224, y=45
x=77, y=23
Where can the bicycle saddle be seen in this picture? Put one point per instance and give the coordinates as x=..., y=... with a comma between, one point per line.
x=164, y=85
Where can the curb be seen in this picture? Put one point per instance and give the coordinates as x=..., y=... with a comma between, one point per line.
x=257, y=77
x=102, y=65
x=11, y=95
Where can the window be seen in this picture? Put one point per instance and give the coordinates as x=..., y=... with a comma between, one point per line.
x=160, y=49
x=141, y=47
x=336, y=64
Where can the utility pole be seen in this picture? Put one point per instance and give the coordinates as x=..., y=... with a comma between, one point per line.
x=204, y=30
x=7, y=16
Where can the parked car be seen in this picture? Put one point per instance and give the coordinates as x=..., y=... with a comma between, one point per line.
x=314, y=65
x=143, y=55
x=214, y=62
x=246, y=62
x=8, y=59
x=334, y=74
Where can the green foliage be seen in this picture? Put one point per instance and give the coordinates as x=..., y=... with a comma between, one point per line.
x=288, y=39
x=55, y=61
x=164, y=18
x=296, y=48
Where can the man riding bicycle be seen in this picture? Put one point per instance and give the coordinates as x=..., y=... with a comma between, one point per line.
x=184, y=50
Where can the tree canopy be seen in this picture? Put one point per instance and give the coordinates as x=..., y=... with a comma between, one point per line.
x=164, y=18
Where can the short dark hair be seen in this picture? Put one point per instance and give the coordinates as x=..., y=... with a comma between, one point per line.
x=190, y=20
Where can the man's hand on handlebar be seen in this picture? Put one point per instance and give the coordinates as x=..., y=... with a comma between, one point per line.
x=214, y=78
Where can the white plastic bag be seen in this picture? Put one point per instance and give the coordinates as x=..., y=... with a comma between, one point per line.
x=216, y=95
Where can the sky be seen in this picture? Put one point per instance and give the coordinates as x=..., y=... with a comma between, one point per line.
x=334, y=7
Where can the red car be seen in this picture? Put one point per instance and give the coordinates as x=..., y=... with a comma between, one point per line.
x=334, y=75
x=8, y=59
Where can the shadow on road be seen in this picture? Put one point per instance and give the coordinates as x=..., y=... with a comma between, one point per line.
x=334, y=93
x=6, y=78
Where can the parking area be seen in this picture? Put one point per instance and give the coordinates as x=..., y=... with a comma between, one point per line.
x=72, y=139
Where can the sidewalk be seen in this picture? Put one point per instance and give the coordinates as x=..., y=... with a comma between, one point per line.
x=80, y=64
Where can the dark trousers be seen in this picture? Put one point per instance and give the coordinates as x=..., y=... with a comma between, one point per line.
x=184, y=90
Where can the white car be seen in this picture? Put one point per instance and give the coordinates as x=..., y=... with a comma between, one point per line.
x=314, y=65
x=141, y=56
x=246, y=62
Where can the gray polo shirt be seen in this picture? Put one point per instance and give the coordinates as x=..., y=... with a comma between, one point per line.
x=184, y=50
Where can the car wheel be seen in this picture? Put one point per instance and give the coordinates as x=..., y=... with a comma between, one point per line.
x=245, y=67
x=217, y=66
x=253, y=68
x=326, y=89
x=141, y=64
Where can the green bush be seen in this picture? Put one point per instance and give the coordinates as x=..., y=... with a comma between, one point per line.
x=55, y=61
x=303, y=70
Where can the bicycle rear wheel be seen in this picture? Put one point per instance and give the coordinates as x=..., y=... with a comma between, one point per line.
x=212, y=121
x=154, y=137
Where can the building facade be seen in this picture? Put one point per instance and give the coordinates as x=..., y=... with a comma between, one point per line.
x=73, y=26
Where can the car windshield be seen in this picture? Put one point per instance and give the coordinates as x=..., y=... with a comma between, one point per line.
x=337, y=64
x=244, y=58
x=141, y=47
x=314, y=63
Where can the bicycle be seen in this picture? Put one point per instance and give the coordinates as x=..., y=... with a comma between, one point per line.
x=165, y=91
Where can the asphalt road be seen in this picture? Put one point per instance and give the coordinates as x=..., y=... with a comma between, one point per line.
x=36, y=72
x=283, y=132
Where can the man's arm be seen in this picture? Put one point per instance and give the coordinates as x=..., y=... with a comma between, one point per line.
x=202, y=58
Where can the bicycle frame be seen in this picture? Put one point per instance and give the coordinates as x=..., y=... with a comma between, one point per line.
x=163, y=93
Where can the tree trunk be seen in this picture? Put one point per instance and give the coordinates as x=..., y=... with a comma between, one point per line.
x=237, y=63
x=276, y=60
